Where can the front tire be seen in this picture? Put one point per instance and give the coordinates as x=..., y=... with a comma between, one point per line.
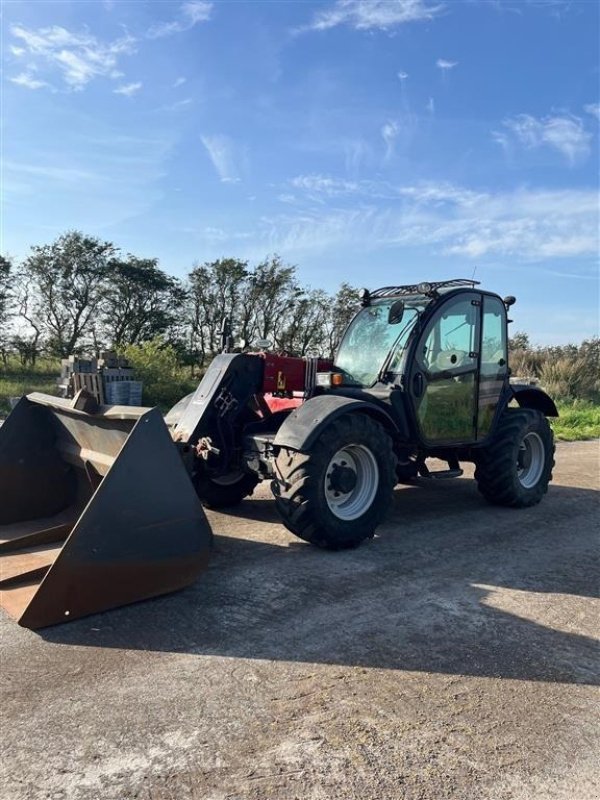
x=516, y=467
x=335, y=495
x=226, y=491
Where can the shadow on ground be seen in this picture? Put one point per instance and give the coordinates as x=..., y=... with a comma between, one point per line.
x=420, y=596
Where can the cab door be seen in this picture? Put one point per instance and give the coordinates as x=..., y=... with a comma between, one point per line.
x=493, y=363
x=444, y=380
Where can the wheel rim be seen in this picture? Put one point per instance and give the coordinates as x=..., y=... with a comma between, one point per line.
x=530, y=460
x=353, y=503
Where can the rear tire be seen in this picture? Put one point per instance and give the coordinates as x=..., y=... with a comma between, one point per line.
x=335, y=495
x=226, y=491
x=516, y=467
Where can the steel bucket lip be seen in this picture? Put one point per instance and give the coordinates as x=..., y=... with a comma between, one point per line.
x=107, y=411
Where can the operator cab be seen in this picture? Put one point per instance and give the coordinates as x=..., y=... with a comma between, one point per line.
x=443, y=346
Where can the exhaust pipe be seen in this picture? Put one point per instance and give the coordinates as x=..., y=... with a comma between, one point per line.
x=97, y=510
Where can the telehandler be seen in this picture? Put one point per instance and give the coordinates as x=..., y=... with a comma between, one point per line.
x=102, y=505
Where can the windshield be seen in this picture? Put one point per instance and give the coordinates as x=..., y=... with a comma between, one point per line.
x=369, y=340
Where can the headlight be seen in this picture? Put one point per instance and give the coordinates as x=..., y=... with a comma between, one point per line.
x=327, y=379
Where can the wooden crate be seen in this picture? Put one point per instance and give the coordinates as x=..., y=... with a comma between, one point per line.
x=92, y=382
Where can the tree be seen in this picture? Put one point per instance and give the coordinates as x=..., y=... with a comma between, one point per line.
x=26, y=341
x=139, y=300
x=305, y=334
x=65, y=284
x=6, y=303
x=520, y=341
x=343, y=307
x=214, y=291
x=274, y=293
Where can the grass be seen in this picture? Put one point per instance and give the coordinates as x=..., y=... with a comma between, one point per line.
x=578, y=420
x=16, y=380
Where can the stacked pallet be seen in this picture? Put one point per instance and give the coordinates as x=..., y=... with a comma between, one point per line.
x=109, y=378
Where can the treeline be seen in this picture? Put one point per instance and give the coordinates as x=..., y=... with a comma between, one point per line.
x=81, y=294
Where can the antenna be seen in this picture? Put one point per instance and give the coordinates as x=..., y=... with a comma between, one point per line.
x=474, y=271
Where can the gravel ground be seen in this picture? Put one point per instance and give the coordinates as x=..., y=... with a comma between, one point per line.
x=451, y=657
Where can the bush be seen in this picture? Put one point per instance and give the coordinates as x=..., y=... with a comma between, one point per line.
x=156, y=364
x=526, y=363
x=569, y=379
x=569, y=372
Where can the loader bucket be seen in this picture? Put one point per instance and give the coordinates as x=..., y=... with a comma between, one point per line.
x=96, y=511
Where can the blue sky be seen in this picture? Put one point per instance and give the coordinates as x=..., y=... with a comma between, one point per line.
x=374, y=142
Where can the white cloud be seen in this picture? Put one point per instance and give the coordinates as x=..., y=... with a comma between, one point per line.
x=128, y=89
x=431, y=106
x=77, y=57
x=51, y=172
x=565, y=133
x=179, y=82
x=221, y=151
x=214, y=234
x=190, y=14
x=524, y=225
x=178, y=104
x=357, y=152
x=389, y=133
x=593, y=109
x=432, y=193
x=402, y=76
x=445, y=65
x=323, y=185
x=28, y=81
x=503, y=140
x=374, y=14
x=197, y=11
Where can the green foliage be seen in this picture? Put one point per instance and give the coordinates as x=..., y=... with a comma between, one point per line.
x=138, y=301
x=63, y=284
x=156, y=364
x=578, y=420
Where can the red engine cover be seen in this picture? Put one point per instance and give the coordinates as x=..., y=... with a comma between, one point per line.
x=286, y=374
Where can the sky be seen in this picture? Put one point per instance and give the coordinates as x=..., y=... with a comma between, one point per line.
x=371, y=142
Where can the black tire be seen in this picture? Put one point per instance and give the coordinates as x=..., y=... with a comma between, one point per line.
x=502, y=467
x=218, y=494
x=302, y=486
x=406, y=472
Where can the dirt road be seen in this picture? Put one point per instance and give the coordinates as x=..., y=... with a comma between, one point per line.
x=451, y=657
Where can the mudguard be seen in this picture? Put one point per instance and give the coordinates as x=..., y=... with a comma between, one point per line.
x=528, y=396
x=304, y=425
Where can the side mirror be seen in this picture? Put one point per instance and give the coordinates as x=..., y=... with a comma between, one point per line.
x=396, y=312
